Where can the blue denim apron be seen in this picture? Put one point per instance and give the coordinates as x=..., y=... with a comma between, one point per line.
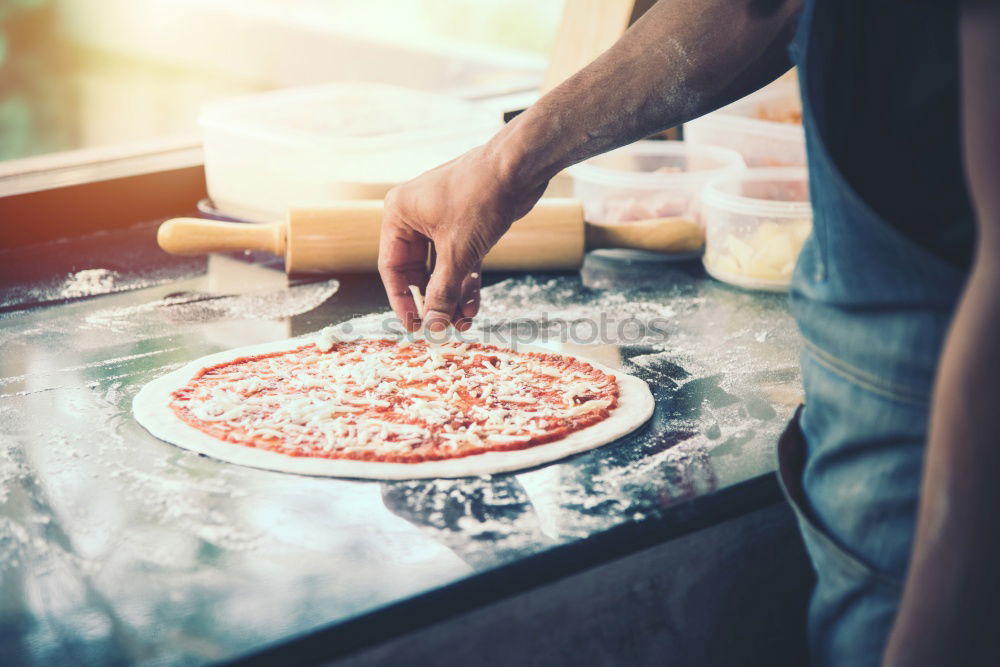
x=873, y=308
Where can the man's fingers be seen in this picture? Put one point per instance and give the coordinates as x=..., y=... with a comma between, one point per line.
x=403, y=262
x=468, y=306
x=444, y=290
x=401, y=299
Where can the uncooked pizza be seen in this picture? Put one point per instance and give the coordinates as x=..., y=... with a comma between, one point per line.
x=391, y=409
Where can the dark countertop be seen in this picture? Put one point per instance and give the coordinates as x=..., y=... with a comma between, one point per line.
x=116, y=547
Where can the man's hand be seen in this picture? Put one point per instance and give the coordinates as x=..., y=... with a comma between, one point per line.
x=459, y=209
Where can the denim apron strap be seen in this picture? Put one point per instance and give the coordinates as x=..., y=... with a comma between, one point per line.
x=874, y=308
x=857, y=273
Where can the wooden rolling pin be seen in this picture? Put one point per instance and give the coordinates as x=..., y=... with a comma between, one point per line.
x=344, y=237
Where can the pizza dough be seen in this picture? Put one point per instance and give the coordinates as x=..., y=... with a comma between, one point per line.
x=152, y=411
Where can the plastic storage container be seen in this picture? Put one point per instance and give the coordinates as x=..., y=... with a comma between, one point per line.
x=764, y=127
x=315, y=145
x=755, y=224
x=648, y=179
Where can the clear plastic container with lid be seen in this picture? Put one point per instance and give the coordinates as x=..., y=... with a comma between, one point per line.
x=764, y=127
x=755, y=225
x=648, y=180
x=319, y=144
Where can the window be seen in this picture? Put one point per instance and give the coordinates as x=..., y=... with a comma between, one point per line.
x=78, y=74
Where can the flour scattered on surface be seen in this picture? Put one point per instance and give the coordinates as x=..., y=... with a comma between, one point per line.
x=559, y=310
x=485, y=520
x=89, y=282
x=199, y=308
x=90, y=501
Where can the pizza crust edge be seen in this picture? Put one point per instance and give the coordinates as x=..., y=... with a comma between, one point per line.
x=151, y=409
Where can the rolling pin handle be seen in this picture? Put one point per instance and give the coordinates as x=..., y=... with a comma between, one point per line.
x=194, y=236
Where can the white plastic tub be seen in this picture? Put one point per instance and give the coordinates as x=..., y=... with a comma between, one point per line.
x=750, y=126
x=755, y=225
x=316, y=145
x=648, y=180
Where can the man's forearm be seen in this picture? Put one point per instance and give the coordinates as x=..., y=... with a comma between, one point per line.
x=950, y=607
x=682, y=59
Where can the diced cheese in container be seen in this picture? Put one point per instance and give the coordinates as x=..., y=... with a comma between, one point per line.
x=755, y=225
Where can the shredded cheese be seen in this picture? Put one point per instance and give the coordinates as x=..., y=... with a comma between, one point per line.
x=386, y=400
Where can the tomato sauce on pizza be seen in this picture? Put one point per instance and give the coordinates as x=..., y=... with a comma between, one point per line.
x=382, y=400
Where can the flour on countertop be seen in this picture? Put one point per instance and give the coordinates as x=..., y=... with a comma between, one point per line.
x=122, y=498
x=89, y=282
x=197, y=308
